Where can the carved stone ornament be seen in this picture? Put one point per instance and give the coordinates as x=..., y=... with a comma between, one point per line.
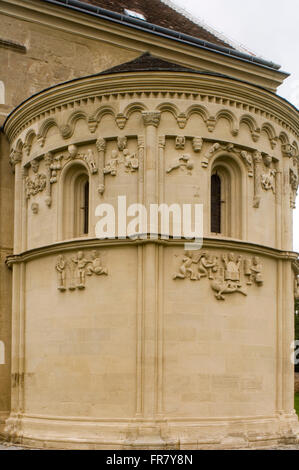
x=72, y=272
x=183, y=162
x=294, y=182
x=225, y=274
x=180, y=142
x=229, y=147
x=15, y=157
x=289, y=150
x=268, y=180
x=122, y=158
x=35, y=184
x=151, y=118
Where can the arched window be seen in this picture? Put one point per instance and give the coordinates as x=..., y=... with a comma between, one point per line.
x=226, y=198
x=76, y=202
x=215, y=204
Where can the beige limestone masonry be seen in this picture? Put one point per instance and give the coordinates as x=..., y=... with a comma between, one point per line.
x=122, y=344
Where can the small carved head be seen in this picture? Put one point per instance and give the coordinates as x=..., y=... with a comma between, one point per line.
x=34, y=207
x=114, y=154
x=80, y=255
x=73, y=150
x=267, y=160
x=35, y=166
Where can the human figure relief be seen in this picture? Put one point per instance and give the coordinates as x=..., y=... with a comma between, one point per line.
x=268, y=180
x=81, y=264
x=185, y=270
x=232, y=267
x=207, y=266
x=253, y=270
x=184, y=162
x=60, y=268
x=131, y=161
x=95, y=266
x=111, y=167
x=230, y=282
x=89, y=159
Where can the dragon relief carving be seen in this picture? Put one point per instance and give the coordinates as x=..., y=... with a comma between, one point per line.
x=75, y=270
x=224, y=274
x=184, y=161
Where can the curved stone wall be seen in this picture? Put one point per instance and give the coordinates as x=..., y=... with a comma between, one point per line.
x=139, y=343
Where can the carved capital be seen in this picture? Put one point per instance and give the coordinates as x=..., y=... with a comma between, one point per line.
x=100, y=144
x=15, y=157
x=151, y=118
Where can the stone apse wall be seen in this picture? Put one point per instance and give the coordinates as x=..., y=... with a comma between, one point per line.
x=139, y=343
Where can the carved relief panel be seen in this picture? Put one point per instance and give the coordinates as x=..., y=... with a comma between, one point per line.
x=73, y=271
x=228, y=273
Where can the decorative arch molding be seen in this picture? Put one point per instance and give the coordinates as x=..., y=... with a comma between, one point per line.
x=44, y=128
x=231, y=173
x=68, y=129
x=231, y=117
x=252, y=125
x=30, y=136
x=97, y=116
x=203, y=113
x=72, y=177
x=174, y=110
x=270, y=131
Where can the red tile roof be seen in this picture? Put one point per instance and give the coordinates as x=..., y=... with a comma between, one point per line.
x=161, y=14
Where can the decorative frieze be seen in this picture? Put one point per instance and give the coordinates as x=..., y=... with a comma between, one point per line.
x=72, y=272
x=226, y=274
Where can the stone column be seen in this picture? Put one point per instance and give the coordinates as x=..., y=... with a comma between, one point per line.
x=101, y=146
x=150, y=285
x=257, y=160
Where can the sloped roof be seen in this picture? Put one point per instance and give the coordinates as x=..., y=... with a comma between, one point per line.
x=164, y=14
x=147, y=62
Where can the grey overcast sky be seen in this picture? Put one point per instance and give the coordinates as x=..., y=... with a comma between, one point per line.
x=269, y=28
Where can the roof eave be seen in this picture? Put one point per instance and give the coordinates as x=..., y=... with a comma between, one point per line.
x=164, y=32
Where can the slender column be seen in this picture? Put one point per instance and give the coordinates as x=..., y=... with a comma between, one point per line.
x=257, y=159
x=288, y=338
x=161, y=169
x=151, y=121
x=278, y=214
x=101, y=146
x=24, y=209
x=18, y=203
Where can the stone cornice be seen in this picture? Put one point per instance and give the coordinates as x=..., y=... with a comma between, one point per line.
x=203, y=88
x=93, y=243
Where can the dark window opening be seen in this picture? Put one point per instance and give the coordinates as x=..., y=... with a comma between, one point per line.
x=215, y=204
x=86, y=207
